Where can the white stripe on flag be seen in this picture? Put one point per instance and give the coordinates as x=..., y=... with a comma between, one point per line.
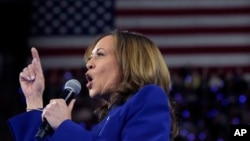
x=182, y=21
x=173, y=61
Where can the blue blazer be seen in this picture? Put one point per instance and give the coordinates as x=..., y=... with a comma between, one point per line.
x=144, y=117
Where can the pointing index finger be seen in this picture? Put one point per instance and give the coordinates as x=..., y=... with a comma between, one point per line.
x=36, y=62
x=35, y=54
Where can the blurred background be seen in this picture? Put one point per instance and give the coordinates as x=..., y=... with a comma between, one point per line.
x=206, y=44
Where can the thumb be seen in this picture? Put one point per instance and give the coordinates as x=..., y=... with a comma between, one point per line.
x=71, y=104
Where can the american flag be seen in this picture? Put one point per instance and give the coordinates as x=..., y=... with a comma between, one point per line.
x=207, y=33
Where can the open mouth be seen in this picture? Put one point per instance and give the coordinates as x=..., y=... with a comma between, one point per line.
x=89, y=79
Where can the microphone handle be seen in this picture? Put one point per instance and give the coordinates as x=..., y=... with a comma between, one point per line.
x=44, y=130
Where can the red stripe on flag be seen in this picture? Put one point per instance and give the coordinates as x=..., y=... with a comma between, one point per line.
x=206, y=50
x=213, y=69
x=184, y=11
x=194, y=30
x=68, y=51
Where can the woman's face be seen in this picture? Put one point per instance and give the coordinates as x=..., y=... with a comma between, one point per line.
x=103, y=73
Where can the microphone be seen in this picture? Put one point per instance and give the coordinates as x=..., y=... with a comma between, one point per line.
x=71, y=88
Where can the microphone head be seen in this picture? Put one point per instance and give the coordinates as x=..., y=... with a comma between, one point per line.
x=73, y=85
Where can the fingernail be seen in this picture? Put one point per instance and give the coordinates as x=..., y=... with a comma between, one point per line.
x=32, y=77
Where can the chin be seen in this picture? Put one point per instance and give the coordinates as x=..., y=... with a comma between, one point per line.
x=92, y=94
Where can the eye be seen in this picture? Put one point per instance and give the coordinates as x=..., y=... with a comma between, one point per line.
x=99, y=54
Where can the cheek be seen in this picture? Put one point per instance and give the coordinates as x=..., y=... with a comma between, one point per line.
x=110, y=79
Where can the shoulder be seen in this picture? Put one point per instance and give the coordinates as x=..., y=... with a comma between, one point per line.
x=151, y=88
x=148, y=96
x=150, y=92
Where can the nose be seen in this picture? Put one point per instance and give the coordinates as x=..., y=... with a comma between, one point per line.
x=90, y=65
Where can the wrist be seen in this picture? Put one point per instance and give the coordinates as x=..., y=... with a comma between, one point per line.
x=34, y=103
x=36, y=109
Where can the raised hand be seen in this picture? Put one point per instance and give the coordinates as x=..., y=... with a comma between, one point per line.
x=32, y=82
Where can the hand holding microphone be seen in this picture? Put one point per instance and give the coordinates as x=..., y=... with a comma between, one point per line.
x=57, y=110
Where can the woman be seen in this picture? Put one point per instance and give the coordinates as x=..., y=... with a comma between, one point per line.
x=127, y=71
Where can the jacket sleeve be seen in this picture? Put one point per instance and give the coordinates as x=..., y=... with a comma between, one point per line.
x=24, y=126
x=70, y=130
x=149, y=116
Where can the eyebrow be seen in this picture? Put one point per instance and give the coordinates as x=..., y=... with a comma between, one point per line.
x=100, y=49
x=97, y=50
